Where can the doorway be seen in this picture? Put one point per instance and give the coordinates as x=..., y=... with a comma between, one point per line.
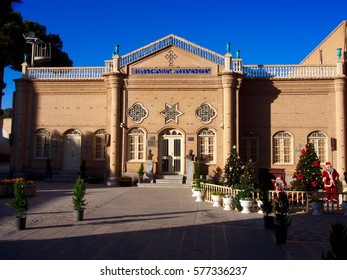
x=72, y=150
x=171, y=152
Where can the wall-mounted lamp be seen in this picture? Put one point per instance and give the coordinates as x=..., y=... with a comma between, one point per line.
x=123, y=125
x=221, y=126
x=339, y=53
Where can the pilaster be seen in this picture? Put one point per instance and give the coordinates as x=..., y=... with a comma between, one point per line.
x=231, y=82
x=20, y=133
x=340, y=107
x=114, y=152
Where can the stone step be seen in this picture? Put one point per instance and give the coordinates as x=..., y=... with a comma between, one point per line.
x=162, y=185
x=165, y=181
x=65, y=176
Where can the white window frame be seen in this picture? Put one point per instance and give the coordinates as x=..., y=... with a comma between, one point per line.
x=205, y=148
x=42, y=144
x=315, y=138
x=99, y=146
x=136, y=147
x=282, y=137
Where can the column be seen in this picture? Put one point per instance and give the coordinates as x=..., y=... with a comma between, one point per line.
x=114, y=152
x=20, y=132
x=340, y=108
x=231, y=83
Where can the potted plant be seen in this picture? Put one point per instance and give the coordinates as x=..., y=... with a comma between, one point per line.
x=338, y=242
x=217, y=198
x=228, y=202
x=267, y=207
x=317, y=205
x=20, y=204
x=282, y=221
x=78, y=199
x=344, y=207
x=198, y=193
x=126, y=181
x=247, y=183
x=141, y=172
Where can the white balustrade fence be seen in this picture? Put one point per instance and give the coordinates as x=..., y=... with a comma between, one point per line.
x=65, y=73
x=250, y=71
x=289, y=71
x=300, y=201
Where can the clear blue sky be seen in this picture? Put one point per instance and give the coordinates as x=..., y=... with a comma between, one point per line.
x=266, y=32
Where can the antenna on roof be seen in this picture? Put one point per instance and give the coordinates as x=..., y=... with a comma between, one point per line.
x=40, y=51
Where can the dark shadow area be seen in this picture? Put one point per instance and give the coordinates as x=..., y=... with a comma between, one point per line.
x=256, y=97
x=155, y=224
x=240, y=240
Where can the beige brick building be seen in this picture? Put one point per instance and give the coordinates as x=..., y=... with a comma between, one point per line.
x=173, y=96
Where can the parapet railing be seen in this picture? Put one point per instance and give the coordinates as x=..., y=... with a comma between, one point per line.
x=249, y=71
x=300, y=201
x=66, y=73
x=288, y=71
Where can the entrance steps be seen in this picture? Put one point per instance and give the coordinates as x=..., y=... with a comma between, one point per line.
x=167, y=181
x=64, y=177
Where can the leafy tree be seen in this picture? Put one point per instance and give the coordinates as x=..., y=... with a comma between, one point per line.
x=233, y=169
x=7, y=113
x=13, y=45
x=307, y=175
x=11, y=39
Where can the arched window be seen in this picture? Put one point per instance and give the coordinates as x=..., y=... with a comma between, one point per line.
x=207, y=145
x=320, y=142
x=136, y=144
x=42, y=144
x=249, y=147
x=283, y=148
x=99, y=144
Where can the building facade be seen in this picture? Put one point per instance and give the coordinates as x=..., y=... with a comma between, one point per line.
x=172, y=98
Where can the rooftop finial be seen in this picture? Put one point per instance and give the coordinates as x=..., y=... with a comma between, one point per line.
x=228, y=47
x=339, y=53
x=116, y=50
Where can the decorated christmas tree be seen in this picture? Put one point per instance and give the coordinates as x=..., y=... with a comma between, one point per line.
x=307, y=175
x=248, y=177
x=233, y=169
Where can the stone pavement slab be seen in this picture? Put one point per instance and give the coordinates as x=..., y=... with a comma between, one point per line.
x=151, y=224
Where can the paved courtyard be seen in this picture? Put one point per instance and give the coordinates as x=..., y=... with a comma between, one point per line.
x=151, y=223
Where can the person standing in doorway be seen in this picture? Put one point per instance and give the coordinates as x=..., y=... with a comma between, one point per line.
x=330, y=179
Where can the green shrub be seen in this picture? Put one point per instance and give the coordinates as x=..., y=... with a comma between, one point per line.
x=79, y=191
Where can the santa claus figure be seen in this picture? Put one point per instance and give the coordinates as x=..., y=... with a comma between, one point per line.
x=279, y=184
x=330, y=179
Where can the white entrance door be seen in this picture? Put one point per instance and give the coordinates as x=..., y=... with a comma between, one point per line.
x=171, y=152
x=72, y=150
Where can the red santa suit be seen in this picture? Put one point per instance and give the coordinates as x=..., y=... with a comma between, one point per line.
x=279, y=184
x=330, y=179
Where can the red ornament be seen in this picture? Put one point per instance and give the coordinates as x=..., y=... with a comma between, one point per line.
x=316, y=164
x=299, y=176
x=314, y=184
x=303, y=151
